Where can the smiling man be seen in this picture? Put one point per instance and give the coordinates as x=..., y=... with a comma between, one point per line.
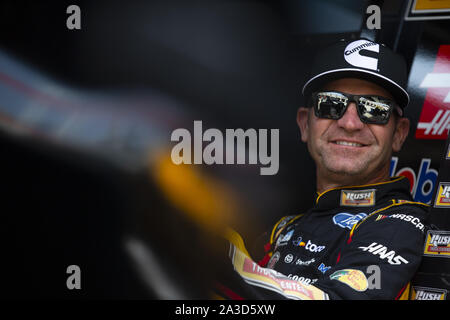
x=347, y=150
x=363, y=238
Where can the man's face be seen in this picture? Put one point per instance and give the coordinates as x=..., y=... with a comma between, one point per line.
x=348, y=147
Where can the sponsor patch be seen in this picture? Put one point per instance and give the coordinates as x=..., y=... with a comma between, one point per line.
x=311, y=247
x=355, y=279
x=437, y=244
x=300, y=262
x=443, y=195
x=382, y=252
x=304, y=280
x=289, y=258
x=273, y=260
x=298, y=242
x=272, y=280
x=279, y=228
x=380, y=217
x=358, y=198
x=353, y=56
x=283, y=240
x=408, y=218
x=323, y=268
x=423, y=293
x=348, y=220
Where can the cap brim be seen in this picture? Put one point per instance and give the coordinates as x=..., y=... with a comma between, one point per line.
x=318, y=81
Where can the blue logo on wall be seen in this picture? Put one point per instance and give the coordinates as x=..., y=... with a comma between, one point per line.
x=348, y=220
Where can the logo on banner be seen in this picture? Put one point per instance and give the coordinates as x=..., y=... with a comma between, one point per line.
x=422, y=293
x=443, y=195
x=421, y=184
x=437, y=244
x=434, y=121
x=358, y=198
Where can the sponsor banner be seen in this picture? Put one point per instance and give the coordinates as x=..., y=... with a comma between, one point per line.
x=424, y=293
x=272, y=280
x=355, y=279
x=428, y=10
x=434, y=121
x=358, y=198
x=443, y=196
x=437, y=244
x=422, y=183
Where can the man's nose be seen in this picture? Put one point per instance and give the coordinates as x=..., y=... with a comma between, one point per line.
x=350, y=120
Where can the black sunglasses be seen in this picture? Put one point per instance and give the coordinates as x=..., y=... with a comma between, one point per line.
x=371, y=109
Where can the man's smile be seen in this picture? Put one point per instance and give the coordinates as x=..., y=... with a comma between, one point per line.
x=348, y=143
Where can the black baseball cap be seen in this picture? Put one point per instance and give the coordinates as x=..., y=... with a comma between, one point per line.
x=362, y=59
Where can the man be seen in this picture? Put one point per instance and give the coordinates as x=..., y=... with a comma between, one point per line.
x=363, y=238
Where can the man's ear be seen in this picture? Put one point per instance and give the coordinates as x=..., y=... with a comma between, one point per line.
x=400, y=134
x=302, y=122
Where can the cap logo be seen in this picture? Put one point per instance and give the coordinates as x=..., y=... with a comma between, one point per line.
x=353, y=56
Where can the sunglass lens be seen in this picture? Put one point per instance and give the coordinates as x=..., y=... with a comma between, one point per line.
x=374, y=109
x=330, y=105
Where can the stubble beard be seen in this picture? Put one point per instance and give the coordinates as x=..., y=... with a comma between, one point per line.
x=349, y=167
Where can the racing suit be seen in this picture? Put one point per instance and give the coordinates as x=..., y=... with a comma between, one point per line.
x=359, y=242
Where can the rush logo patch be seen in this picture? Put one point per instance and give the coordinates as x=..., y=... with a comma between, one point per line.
x=358, y=198
x=437, y=244
x=443, y=195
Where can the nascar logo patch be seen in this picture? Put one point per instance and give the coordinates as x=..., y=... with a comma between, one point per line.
x=358, y=198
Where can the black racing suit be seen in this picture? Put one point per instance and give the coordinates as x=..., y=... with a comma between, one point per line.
x=362, y=242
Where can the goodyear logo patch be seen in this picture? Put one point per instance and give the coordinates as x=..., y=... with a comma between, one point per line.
x=443, y=195
x=358, y=198
x=422, y=293
x=437, y=244
x=448, y=152
x=355, y=279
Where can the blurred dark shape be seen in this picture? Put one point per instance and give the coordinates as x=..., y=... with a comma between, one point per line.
x=329, y=16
